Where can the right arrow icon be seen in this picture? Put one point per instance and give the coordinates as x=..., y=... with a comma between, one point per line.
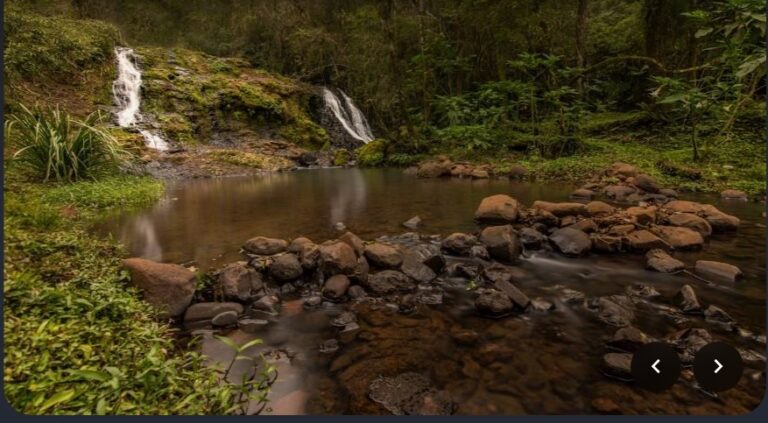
x=719, y=366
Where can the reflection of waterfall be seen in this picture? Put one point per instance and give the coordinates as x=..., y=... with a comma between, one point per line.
x=126, y=90
x=348, y=115
x=150, y=248
x=349, y=197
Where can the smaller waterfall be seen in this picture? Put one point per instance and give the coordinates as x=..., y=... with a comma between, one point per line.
x=351, y=118
x=126, y=90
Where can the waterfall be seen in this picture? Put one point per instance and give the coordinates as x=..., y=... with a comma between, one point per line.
x=126, y=91
x=350, y=117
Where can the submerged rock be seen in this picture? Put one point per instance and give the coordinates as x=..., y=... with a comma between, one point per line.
x=493, y=303
x=718, y=270
x=733, y=194
x=617, y=365
x=168, y=287
x=628, y=339
x=410, y=394
x=205, y=311
x=612, y=310
x=265, y=246
x=225, y=318
x=497, y=209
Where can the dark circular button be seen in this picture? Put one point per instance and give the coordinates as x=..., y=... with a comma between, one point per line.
x=655, y=366
x=718, y=366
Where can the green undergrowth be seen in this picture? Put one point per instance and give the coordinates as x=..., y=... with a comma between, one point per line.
x=77, y=340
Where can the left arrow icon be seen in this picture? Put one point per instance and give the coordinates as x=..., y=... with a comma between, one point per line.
x=655, y=369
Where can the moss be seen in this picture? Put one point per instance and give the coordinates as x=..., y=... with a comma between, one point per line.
x=373, y=153
x=341, y=157
x=250, y=160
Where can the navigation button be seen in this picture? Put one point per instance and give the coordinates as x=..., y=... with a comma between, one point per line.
x=718, y=366
x=655, y=366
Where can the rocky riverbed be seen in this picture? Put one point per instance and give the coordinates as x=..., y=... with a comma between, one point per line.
x=472, y=322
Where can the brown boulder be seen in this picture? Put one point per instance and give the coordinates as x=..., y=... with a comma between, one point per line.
x=660, y=261
x=718, y=270
x=643, y=240
x=298, y=244
x=691, y=221
x=572, y=242
x=434, y=169
x=642, y=215
x=497, y=209
x=606, y=243
x=561, y=209
x=733, y=194
x=168, y=287
x=682, y=206
x=622, y=169
x=646, y=183
x=618, y=192
x=678, y=237
x=458, y=243
x=599, y=208
x=338, y=257
x=353, y=241
x=238, y=282
x=502, y=242
x=336, y=287
x=383, y=255
x=286, y=268
x=264, y=246
x=720, y=222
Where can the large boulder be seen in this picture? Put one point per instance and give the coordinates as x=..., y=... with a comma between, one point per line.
x=561, y=209
x=497, y=209
x=458, y=243
x=682, y=206
x=571, y=242
x=720, y=222
x=168, y=287
x=718, y=270
x=264, y=246
x=286, y=268
x=679, y=238
x=238, y=282
x=691, y=221
x=643, y=240
x=383, y=256
x=599, y=208
x=353, y=241
x=338, y=258
x=390, y=281
x=660, y=261
x=434, y=169
x=502, y=242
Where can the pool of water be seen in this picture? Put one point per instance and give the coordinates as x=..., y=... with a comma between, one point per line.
x=532, y=363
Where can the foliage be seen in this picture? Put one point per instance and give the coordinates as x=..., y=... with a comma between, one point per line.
x=248, y=159
x=372, y=154
x=54, y=146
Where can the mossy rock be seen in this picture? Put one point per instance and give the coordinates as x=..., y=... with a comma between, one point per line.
x=372, y=154
x=341, y=157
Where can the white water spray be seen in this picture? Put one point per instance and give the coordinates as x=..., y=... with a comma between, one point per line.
x=350, y=117
x=126, y=91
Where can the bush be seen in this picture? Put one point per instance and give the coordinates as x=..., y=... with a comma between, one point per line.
x=52, y=145
x=372, y=154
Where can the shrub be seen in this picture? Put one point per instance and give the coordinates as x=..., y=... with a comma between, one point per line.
x=53, y=145
x=372, y=154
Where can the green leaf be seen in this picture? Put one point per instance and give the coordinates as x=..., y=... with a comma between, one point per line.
x=703, y=32
x=250, y=344
x=58, y=398
x=228, y=342
x=91, y=375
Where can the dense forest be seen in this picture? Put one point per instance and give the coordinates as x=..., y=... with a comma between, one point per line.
x=636, y=100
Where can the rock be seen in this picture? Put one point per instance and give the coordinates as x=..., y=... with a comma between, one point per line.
x=585, y=225
x=502, y=242
x=618, y=192
x=464, y=336
x=606, y=243
x=646, y=183
x=429, y=255
x=667, y=192
x=716, y=269
x=599, y=208
x=497, y=209
x=252, y=325
x=390, y=281
x=642, y=215
x=619, y=230
x=413, y=222
x=225, y=318
x=687, y=301
x=571, y=242
x=493, y=303
x=610, y=311
x=732, y=194
x=716, y=314
x=568, y=221
x=689, y=342
x=267, y=304
x=531, y=238
x=433, y=169
x=660, y=261
x=681, y=206
x=720, y=222
x=691, y=221
x=622, y=169
x=628, y=339
x=414, y=267
x=542, y=217
x=238, y=282
x=338, y=257
x=583, y=194
x=561, y=209
x=480, y=252
x=518, y=172
x=340, y=226
x=643, y=240
x=465, y=270
x=264, y=246
x=356, y=291
x=168, y=287
x=679, y=238
x=458, y=243
x=205, y=311
x=309, y=256
x=286, y=268
x=571, y=296
x=360, y=275
x=518, y=297
x=353, y=241
x=312, y=302
x=479, y=174
x=540, y=304
x=297, y=245
x=410, y=394
x=336, y=287
x=383, y=256
x=329, y=346
x=642, y=290
x=617, y=365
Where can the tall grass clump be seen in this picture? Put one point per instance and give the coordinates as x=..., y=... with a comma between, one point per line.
x=52, y=145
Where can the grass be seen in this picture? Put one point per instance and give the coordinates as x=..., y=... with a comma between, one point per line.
x=77, y=340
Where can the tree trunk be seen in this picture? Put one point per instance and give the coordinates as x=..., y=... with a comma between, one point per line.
x=581, y=35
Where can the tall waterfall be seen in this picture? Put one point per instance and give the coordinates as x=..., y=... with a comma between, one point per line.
x=126, y=90
x=350, y=117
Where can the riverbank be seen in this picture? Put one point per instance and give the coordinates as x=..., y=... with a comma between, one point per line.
x=77, y=339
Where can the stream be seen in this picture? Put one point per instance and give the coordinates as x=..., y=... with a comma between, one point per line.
x=532, y=363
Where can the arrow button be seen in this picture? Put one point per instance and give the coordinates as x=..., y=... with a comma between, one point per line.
x=727, y=370
x=719, y=366
x=655, y=366
x=655, y=369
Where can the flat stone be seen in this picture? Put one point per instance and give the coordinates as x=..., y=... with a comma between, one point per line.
x=691, y=221
x=561, y=209
x=660, y=261
x=572, y=242
x=599, y=208
x=265, y=246
x=628, y=339
x=718, y=270
x=225, y=318
x=617, y=365
x=207, y=310
x=643, y=240
x=383, y=256
x=679, y=238
x=252, y=325
x=733, y=194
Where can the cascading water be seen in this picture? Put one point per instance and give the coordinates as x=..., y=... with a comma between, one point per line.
x=349, y=116
x=126, y=91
